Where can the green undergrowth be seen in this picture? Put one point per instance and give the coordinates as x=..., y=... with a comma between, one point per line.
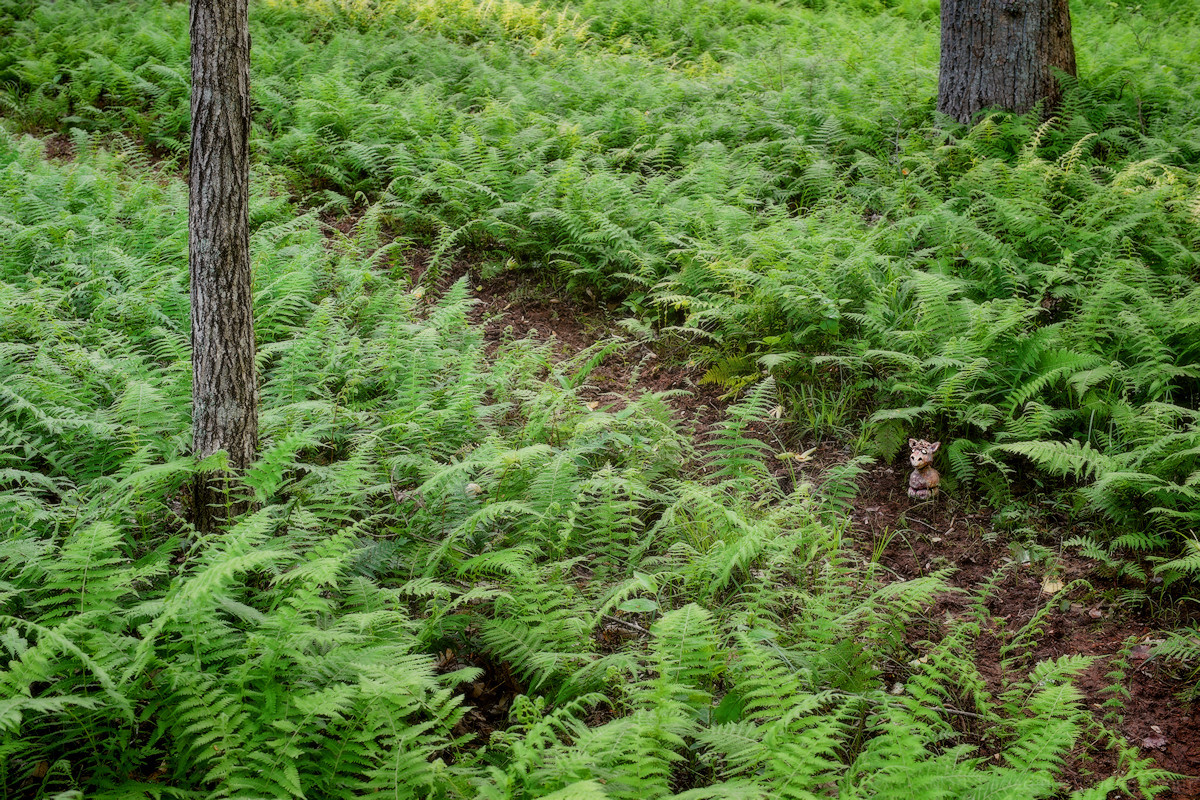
x=768, y=181
x=414, y=498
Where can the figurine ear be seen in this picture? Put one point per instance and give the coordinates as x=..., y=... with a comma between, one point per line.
x=933, y=447
x=912, y=443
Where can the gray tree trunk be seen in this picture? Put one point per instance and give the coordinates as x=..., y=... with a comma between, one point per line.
x=224, y=384
x=1002, y=54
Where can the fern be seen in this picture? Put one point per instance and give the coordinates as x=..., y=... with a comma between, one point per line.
x=742, y=175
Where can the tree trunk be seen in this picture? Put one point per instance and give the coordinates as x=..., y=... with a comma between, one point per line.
x=224, y=384
x=1002, y=54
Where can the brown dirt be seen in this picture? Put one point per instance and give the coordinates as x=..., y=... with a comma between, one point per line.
x=518, y=304
x=490, y=696
x=913, y=539
x=58, y=147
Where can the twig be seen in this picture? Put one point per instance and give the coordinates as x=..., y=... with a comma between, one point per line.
x=411, y=535
x=633, y=626
x=932, y=528
x=970, y=714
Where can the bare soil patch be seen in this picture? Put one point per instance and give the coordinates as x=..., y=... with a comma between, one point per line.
x=58, y=147
x=518, y=304
x=490, y=696
x=913, y=539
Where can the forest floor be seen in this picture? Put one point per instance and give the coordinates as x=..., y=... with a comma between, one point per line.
x=910, y=539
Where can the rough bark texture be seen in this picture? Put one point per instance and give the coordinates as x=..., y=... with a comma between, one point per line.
x=224, y=384
x=1002, y=54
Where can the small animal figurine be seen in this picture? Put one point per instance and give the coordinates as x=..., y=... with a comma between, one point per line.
x=924, y=480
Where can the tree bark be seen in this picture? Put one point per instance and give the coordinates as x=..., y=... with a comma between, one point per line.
x=1002, y=54
x=224, y=384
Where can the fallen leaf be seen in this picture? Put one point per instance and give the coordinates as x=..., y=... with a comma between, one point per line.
x=1051, y=585
x=638, y=605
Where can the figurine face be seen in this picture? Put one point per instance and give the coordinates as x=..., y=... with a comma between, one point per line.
x=922, y=452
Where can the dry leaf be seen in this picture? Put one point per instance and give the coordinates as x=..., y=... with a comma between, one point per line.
x=788, y=455
x=1051, y=585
